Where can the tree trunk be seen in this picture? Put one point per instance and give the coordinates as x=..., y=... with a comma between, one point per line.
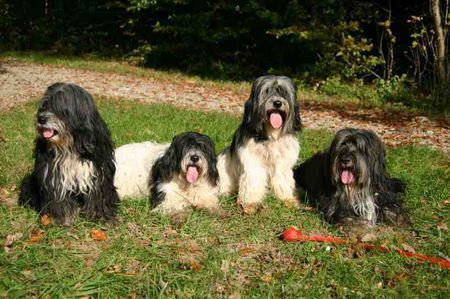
x=440, y=40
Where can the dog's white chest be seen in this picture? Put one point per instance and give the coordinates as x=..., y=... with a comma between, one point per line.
x=73, y=174
x=272, y=152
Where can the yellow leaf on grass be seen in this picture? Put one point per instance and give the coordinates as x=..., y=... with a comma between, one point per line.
x=36, y=236
x=98, y=235
x=196, y=266
x=46, y=220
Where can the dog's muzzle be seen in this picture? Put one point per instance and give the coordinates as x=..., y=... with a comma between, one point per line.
x=346, y=172
x=193, y=170
x=276, y=114
x=43, y=127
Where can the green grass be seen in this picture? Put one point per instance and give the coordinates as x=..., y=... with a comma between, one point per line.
x=211, y=256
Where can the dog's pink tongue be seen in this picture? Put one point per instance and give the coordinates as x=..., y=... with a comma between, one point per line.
x=47, y=133
x=346, y=177
x=276, y=120
x=192, y=174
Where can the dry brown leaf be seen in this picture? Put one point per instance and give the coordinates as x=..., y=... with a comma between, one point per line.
x=267, y=277
x=244, y=251
x=442, y=226
x=10, y=239
x=225, y=266
x=113, y=269
x=408, y=248
x=196, y=266
x=98, y=235
x=46, y=220
x=368, y=237
x=36, y=236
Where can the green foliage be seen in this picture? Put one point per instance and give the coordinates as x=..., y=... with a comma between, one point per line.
x=396, y=91
x=393, y=90
x=238, y=40
x=347, y=54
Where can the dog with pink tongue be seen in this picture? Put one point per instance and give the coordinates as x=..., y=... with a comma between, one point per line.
x=265, y=147
x=185, y=176
x=349, y=182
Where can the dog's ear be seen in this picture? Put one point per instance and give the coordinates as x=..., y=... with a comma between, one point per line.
x=253, y=121
x=377, y=152
x=297, y=125
x=84, y=138
x=213, y=173
x=252, y=118
x=377, y=157
x=104, y=146
x=297, y=121
x=162, y=170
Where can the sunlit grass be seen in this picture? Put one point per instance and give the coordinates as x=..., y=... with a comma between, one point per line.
x=211, y=256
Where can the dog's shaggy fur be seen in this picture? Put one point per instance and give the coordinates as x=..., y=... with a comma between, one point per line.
x=134, y=162
x=74, y=158
x=349, y=182
x=185, y=176
x=265, y=147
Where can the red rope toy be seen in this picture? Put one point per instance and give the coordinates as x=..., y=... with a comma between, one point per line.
x=293, y=234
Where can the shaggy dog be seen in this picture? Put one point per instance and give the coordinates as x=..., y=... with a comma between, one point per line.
x=186, y=175
x=74, y=158
x=349, y=183
x=265, y=147
x=134, y=162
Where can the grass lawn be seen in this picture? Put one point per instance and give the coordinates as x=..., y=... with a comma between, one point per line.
x=210, y=256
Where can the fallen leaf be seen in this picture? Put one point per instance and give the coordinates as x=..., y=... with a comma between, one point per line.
x=244, y=251
x=408, y=248
x=27, y=273
x=113, y=269
x=36, y=236
x=46, y=220
x=368, y=237
x=10, y=239
x=196, y=265
x=442, y=226
x=98, y=235
x=73, y=235
x=267, y=277
x=225, y=266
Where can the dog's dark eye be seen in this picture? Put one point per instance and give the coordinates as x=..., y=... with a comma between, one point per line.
x=44, y=105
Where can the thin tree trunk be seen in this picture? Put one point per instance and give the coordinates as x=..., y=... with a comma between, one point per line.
x=440, y=40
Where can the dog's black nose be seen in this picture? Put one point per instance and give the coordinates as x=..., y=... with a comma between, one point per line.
x=346, y=161
x=277, y=104
x=42, y=119
x=195, y=158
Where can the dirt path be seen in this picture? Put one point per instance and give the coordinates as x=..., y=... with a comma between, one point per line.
x=20, y=81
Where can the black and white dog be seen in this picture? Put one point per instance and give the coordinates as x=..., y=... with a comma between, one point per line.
x=349, y=182
x=74, y=158
x=265, y=147
x=185, y=176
